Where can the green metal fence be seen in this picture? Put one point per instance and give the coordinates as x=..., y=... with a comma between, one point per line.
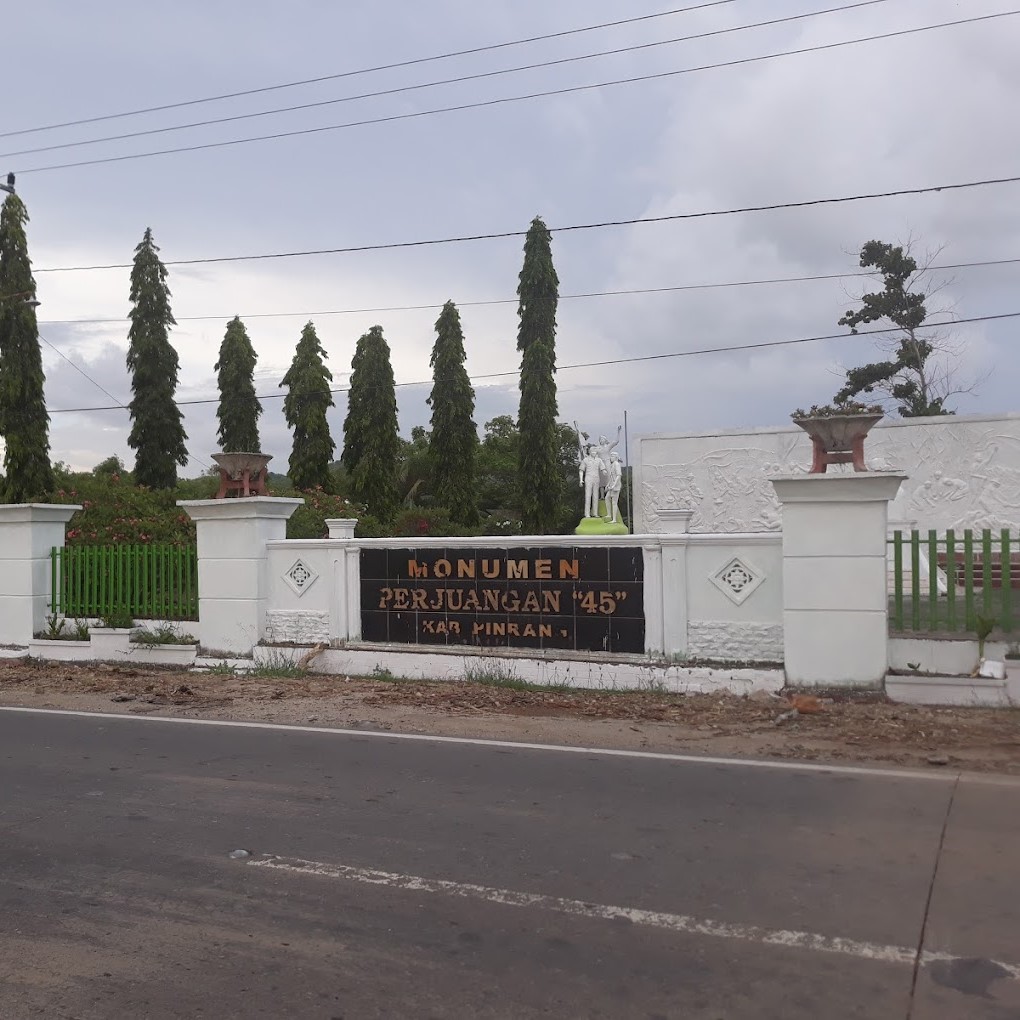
x=147, y=582
x=944, y=582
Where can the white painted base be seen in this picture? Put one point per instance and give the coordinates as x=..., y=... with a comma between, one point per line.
x=60, y=651
x=110, y=644
x=974, y=692
x=164, y=655
x=583, y=674
x=941, y=655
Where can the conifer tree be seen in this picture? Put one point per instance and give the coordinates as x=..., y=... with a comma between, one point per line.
x=371, y=436
x=157, y=426
x=28, y=475
x=239, y=408
x=305, y=406
x=538, y=470
x=453, y=444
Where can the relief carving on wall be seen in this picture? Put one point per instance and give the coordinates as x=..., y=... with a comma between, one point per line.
x=963, y=473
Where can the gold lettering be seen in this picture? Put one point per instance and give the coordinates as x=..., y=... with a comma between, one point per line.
x=400, y=599
x=428, y=627
x=416, y=569
x=497, y=629
x=491, y=600
x=512, y=630
x=386, y=596
x=477, y=628
x=545, y=630
x=471, y=602
x=551, y=602
x=529, y=631
x=517, y=569
x=441, y=627
x=454, y=599
x=530, y=603
x=490, y=568
x=465, y=568
x=437, y=600
x=418, y=597
x=442, y=568
x=511, y=602
x=454, y=626
x=543, y=570
x=568, y=570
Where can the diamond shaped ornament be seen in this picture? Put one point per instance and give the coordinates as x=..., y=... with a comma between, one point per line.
x=300, y=577
x=737, y=580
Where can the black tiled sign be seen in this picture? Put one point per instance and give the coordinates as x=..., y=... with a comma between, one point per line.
x=583, y=599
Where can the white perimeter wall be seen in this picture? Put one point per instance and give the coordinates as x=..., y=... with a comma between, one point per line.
x=964, y=472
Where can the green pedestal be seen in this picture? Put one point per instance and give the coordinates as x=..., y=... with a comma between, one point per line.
x=599, y=525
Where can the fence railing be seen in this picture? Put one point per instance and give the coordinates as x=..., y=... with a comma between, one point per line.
x=147, y=582
x=946, y=582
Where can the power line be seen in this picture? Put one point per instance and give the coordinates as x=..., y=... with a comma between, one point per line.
x=368, y=70
x=99, y=386
x=516, y=99
x=445, y=81
x=601, y=364
x=899, y=193
x=513, y=301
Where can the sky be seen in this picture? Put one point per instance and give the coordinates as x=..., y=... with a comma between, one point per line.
x=914, y=111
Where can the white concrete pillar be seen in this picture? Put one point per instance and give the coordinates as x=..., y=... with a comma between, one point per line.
x=28, y=533
x=232, y=581
x=835, y=596
x=341, y=527
x=675, y=524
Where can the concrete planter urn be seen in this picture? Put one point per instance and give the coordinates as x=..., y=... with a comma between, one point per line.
x=837, y=438
x=242, y=473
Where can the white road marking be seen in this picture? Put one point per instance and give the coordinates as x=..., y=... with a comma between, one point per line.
x=679, y=923
x=938, y=775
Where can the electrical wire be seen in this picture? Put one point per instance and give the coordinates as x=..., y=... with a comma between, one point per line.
x=514, y=301
x=368, y=70
x=516, y=99
x=668, y=218
x=445, y=81
x=635, y=359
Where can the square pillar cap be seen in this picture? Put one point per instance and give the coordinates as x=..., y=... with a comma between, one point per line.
x=55, y=513
x=858, y=487
x=240, y=508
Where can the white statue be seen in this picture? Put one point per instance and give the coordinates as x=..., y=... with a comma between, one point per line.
x=613, y=486
x=602, y=452
x=590, y=468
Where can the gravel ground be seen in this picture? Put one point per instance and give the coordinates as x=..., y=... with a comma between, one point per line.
x=862, y=729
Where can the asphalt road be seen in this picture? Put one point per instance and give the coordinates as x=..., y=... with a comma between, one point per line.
x=406, y=878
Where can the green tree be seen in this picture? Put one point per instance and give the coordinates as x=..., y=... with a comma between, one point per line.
x=453, y=445
x=28, y=475
x=305, y=406
x=157, y=426
x=239, y=408
x=915, y=376
x=538, y=290
x=371, y=436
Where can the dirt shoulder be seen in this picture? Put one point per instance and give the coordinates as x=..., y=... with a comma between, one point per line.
x=862, y=730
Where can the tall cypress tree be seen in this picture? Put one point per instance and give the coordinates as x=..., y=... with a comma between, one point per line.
x=157, y=426
x=453, y=445
x=23, y=418
x=538, y=471
x=371, y=436
x=305, y=406
x=239, y=408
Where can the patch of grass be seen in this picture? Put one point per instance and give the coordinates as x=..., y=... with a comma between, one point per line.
x=164, y=634
x=499, y=675
x=222, y=668
x=382, y=673
x=55, y=630
x=278, y=664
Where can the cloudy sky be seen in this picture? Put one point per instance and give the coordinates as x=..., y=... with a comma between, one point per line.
x=924, y=109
